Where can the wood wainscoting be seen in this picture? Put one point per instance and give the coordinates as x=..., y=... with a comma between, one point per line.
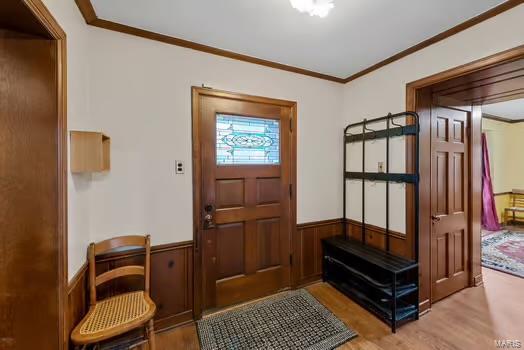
x=307, y=249
x=376, y=237
x=77, y=299
x=171, y=284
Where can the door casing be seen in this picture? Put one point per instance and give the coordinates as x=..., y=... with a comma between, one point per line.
x=197, y=93
x=419, y=99
x=48, y=24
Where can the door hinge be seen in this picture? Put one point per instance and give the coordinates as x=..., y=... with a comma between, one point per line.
x=290, y=190
x=290, y=124
x=291, y=259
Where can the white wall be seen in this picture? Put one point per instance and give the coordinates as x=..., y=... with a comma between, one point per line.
x=384, y=91
x=78, y=117
x=505, y=145
x=138, y=92
x=141, y=97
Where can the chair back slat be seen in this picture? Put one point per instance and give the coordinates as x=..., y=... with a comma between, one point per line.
x=517, y=198
x=119, y=272
x=96, y=249
x=119, y=242
x=519, y=201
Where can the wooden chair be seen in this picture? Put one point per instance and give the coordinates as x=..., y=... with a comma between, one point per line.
x=516, y=201
x=119, y=314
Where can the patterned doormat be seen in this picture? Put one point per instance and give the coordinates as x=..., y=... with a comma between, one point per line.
x=504, y=251
x=289, y=320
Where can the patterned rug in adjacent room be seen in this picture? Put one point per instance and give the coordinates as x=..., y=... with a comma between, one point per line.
x=504, y=251
x=289, y=320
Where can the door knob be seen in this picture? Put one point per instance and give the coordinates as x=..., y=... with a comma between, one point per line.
x=435, y=218
x=208, y=216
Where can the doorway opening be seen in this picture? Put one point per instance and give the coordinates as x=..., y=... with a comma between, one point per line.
x=503, y=182
x=450, y=108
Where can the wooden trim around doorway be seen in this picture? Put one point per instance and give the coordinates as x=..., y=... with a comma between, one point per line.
x=197, y=93
x=57, y=34
x=417, y=99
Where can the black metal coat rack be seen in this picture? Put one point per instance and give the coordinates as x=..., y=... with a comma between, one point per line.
x=392, y=130
x=385, y=284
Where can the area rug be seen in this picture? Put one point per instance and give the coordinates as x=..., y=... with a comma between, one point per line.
x=289, y=320
x=504, y=251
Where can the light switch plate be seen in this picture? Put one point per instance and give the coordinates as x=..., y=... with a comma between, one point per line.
x=179, y=167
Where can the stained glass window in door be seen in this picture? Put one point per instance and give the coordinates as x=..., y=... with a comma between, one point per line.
x=247, y=140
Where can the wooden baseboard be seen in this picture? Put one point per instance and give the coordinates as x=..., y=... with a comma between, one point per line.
x=478, y=281
x=173, y=321
x=424, y=307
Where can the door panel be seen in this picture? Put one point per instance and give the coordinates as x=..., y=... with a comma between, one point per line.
x=449, y=193
x=246, y=203
x=229, y=193
x=230, y=248
x=268, y=231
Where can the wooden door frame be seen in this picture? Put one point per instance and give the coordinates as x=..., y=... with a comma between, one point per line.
x=417, y=101
x=197, y=93
x=56, y=33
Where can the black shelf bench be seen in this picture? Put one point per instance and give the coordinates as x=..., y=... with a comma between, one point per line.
x=385, y=284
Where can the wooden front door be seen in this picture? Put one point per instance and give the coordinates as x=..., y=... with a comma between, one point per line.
x=449, y=200
x=246, y=208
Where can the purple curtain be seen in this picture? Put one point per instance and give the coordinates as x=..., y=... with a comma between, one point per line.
x=490, y=220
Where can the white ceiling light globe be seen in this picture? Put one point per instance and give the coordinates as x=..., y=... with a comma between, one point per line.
x=318, y=8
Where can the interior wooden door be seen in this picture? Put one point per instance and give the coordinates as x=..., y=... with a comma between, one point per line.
x=245, y=212
x=29, y=193
x=449, y=200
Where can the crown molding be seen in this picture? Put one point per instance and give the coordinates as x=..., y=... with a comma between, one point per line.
x=502, y=119
x=91, y=18
x=505, y=6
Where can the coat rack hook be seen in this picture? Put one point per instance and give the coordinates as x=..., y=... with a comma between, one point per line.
x=373, y=131
x=393, y=120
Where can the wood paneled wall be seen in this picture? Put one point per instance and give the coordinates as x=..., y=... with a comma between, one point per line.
x=307, y=249
x=77, y=298
x=171, y=284
x=376, y=237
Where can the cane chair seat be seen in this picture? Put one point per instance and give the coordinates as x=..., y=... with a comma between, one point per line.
x=113, y=316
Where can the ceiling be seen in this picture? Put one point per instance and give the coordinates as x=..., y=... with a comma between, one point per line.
x=513, y=109
x=354, y=36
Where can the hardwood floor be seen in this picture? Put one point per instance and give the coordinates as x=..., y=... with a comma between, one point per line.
x=470, y=319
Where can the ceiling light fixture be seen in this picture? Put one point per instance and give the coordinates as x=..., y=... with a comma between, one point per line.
x=318, y=8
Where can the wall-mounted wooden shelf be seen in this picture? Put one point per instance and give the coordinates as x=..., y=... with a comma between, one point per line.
x=90, y=152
